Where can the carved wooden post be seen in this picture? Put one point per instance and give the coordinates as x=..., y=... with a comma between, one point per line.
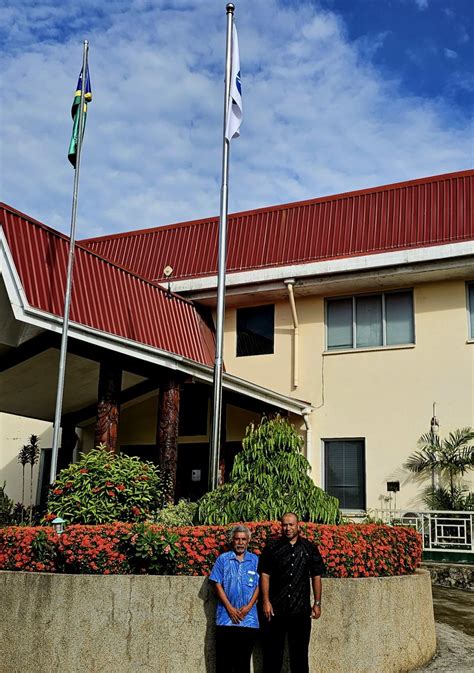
x=108, y=407
x=168, y=422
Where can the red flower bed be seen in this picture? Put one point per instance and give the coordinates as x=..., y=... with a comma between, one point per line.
x=353, y=550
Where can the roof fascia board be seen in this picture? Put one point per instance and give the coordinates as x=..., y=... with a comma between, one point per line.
x=327, y=267
x=28, y=314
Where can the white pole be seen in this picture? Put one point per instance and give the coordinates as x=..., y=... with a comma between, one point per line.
x=70, y=268
x=221, y=267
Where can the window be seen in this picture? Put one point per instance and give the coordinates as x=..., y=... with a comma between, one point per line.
x=470, y=305
x=344, y=472
x=370, y=320
x=255, y=330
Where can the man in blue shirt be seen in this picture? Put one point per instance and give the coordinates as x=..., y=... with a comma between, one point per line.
x=236, y=583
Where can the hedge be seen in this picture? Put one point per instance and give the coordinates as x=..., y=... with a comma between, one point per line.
x=352, y=550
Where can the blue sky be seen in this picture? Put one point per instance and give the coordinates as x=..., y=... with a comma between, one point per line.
x=338, y=95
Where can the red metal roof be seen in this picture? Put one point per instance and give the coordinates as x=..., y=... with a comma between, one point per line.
x=412, y=214
x=105, y=296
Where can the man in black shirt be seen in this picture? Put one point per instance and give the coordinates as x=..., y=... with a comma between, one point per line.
x=285, y=567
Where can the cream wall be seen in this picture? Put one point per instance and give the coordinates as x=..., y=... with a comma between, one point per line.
x=383, y=395
x=14, y=433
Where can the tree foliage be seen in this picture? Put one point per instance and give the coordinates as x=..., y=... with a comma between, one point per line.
x=269, y=477
x=449, y=460
x=103, y=487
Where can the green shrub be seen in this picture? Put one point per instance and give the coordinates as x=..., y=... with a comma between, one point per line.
x=181, y=514
x=6, y=507
x=269, y=477
x=151, y=549
x=104, y=487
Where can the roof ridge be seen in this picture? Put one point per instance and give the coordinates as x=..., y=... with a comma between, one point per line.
x=283, y=206
x=89, y=251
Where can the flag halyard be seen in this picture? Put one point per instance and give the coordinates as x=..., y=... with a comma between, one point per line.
x=234, y=109
x=72, y=151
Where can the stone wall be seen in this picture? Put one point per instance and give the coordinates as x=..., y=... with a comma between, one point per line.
x=125, y=624
x=455, y=576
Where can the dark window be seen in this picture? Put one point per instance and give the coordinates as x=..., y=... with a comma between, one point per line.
x=255, y=330
x=470, y=299
x=193, y=411
x=344, y=468
x=368, y=321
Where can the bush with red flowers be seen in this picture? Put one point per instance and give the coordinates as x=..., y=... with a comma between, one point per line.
x=350, y=550
x=103, y=487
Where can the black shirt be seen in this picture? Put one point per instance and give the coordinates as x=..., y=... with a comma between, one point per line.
x=290, y=567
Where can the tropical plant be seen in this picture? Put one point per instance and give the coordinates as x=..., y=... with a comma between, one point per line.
x=23, y=459
x=33, y=457
x=103, y=487
x=6, y=507
x=449, y=459
x=269, y=477
x=181, y=514
x=151, y=549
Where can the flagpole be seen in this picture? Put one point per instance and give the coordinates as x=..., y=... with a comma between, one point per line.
x=221, y=266
x=70, y=268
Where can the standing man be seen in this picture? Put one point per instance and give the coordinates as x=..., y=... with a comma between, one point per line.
x=286, y=567
x=236, y=579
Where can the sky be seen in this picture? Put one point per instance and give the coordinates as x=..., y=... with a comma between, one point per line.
x=338, y=95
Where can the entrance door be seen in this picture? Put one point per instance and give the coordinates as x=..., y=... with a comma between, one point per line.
x=193, y=469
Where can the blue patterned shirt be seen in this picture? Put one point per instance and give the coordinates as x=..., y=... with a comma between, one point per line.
x=239, y=579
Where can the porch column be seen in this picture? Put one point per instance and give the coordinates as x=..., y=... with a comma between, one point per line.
x=168, y=422
x=108, y=407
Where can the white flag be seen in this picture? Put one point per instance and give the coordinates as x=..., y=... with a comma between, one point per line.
x=234, y=107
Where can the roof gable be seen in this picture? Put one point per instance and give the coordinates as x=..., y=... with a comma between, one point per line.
x=105, y=296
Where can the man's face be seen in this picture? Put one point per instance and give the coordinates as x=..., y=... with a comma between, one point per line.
x=240, y=542
x=289, y=526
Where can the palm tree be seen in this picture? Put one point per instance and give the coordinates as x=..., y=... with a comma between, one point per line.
x=450, y=459
x=23, y=459
x=33, y=456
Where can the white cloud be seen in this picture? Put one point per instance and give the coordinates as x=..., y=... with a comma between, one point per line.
x=318, y=117
x=421, y=4
x=450, y=53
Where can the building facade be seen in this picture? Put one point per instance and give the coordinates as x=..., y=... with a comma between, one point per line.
x=359, y=307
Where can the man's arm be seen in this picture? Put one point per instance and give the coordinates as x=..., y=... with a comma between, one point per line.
x=266, y=605
x=234, y=613
x=245, y=609
x=317, y=591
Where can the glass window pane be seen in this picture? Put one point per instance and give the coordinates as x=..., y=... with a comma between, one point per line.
x=399, y=318
x=255, y=329
x=339, y=317
x=471, y=308
x=369, y=321
x=345, y=472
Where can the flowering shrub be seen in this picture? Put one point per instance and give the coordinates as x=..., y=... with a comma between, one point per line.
x=28, y=548
x=353, y=550
x=93, y=550
x=103, y=488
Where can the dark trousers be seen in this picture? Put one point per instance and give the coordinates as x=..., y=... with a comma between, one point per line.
x=234, y=645
x=298, y=630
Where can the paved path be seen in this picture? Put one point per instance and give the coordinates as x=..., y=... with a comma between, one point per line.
x=454, y=614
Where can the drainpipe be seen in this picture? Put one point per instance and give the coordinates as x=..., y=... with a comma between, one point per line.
x=309, y=434
x=290, y=284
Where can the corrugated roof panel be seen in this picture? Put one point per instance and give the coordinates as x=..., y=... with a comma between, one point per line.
x=399, y=216
x=105, y=296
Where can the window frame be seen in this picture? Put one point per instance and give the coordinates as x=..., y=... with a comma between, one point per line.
x=254, y=307
x=354, y=298
x=469, y=310
x=324, y=453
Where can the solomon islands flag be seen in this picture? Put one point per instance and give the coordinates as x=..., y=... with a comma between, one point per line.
x=72, y=152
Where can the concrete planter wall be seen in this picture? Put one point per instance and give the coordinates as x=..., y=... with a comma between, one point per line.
x=125, y=624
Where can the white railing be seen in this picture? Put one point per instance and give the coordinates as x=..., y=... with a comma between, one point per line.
x=441, y=530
